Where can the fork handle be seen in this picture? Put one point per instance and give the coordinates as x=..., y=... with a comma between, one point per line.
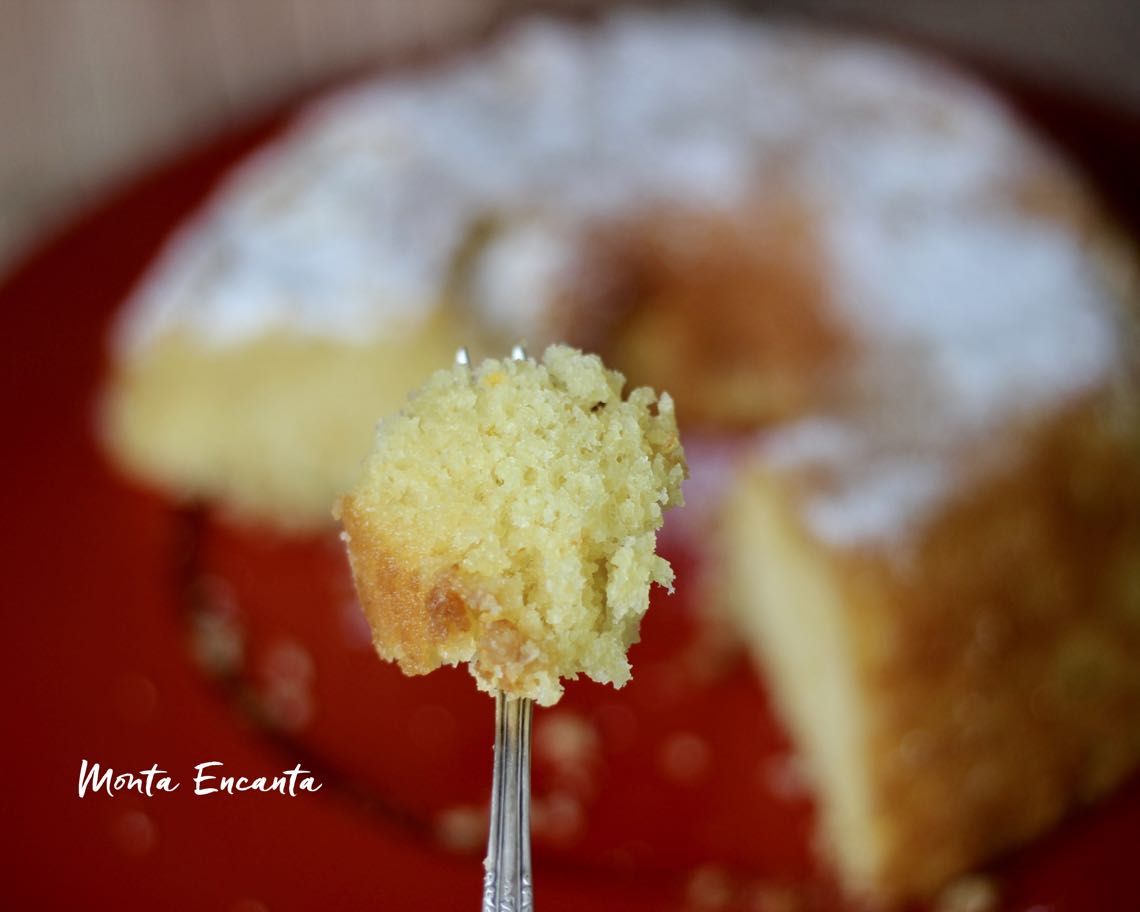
x=507, y=873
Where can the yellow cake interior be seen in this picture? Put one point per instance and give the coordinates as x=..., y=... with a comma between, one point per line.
x=788, y=602
x=507, y=517
x=274, y=427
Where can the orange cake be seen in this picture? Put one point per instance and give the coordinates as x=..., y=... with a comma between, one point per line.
x=908, y=309
x=507, y=518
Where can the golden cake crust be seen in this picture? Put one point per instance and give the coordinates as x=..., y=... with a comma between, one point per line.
x=1009, y=689
x=420, y=623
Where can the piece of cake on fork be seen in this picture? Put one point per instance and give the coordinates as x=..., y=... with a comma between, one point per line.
x=507, y=518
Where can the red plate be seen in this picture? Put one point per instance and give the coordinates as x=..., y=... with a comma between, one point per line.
x=141, y=635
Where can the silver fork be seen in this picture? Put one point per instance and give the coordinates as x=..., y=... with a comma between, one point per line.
x=507, y=884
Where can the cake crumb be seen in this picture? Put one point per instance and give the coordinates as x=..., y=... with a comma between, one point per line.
x=709, y=888
x=462, y=828
x=970, y=893
x=684, y=757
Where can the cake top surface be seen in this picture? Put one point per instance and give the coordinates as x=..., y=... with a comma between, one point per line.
x=352, y=224
x=531, y=493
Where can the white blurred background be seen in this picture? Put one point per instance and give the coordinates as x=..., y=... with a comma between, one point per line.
x=93, y=89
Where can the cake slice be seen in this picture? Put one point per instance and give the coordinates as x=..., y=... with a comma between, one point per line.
x=955, y=680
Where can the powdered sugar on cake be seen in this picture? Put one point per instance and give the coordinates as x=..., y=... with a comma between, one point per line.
x=349, y=226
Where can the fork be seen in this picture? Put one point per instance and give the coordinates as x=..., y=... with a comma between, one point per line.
x=507, y=884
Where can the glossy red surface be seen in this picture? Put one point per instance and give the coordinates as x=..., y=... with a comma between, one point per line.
x=138, y=635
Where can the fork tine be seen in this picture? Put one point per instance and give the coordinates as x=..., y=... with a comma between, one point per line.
x=507, y=880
